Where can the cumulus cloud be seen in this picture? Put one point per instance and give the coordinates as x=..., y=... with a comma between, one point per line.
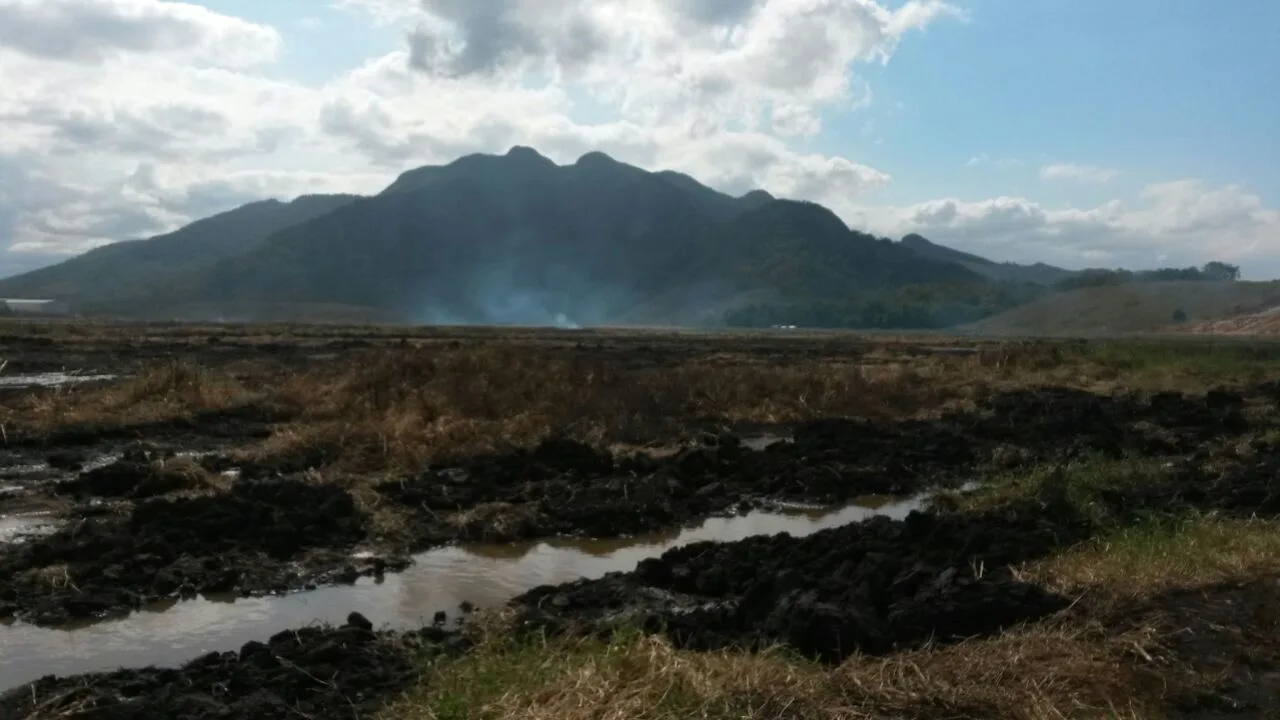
x=716, y=62
x=1080, y=173
x=1180, y=223
x=91, y=31
x=125, y=118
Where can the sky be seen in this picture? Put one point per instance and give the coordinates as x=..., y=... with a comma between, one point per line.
x=1082, y=133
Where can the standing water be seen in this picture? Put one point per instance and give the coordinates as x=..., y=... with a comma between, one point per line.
x=439, y=580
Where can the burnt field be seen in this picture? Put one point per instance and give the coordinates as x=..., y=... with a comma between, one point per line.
x=1093, y=532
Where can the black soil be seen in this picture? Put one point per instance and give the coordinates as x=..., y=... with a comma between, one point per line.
x=345, y=672
x=871, y=587
x=566, y=488
x=883, y=585
x=256, y=537
x=874, y=587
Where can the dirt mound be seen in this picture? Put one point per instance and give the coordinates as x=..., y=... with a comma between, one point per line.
x=871, y=587
x=345, y=672
x=1244, y=485
x=566, y=488
x=137, y=477
x=249, y=539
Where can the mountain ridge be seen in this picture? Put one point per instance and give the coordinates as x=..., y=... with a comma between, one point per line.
x=511, y=238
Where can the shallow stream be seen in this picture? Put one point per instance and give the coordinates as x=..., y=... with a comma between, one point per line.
x=439, y=580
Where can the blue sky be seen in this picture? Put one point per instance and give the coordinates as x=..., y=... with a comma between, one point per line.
x=1155, y=88
x=1077, y=132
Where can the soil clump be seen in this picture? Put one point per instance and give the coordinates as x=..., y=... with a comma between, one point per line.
x=256, y=537
x=564, y=487
x=872, y=587
x=316, y=672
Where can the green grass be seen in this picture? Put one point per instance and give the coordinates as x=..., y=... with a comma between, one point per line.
x=1161, y=553
x=1129, y=308
x=1079, y=482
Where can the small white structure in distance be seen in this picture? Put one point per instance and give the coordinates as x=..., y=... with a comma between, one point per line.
x=19, y=306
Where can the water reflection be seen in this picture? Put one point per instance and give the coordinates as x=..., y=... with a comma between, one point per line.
x=48, y=379
x=15, y=528
x=484, y=575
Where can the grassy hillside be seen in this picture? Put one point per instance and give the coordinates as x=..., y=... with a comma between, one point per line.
x=122, y=269
x=1131, y=307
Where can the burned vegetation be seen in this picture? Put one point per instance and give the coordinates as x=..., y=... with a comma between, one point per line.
x=1094, y=534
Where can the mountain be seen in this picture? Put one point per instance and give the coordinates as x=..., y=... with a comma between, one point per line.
x=516, y=238
x=519, y=239
x=1039, y=273
x=122, y=268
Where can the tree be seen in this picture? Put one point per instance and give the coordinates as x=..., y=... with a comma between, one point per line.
x=1179, y=316
x=1221, y=271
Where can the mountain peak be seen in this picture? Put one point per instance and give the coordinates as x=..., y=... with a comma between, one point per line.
x=523, y=153
x=915, y=241
x=758, y=196
x=596, y=158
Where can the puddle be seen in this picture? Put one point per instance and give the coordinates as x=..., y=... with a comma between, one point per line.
x=760, y=442
x=49, y=379
x=484, y=575
x=15, y=528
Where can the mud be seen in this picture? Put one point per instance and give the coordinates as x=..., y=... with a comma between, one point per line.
x=1224, y=632
x=435, y=588
x=873, y=587
x=566, y=488
x=314, y=672
x=174, y=531
x=136, y=533
x=887, y=584
x=257, y=537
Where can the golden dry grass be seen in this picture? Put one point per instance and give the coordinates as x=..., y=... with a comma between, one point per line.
x=1082, y=664
x=171, y=390
x=401, y=409
x=1162, y=554
x=1032, y=673
x=405, y=405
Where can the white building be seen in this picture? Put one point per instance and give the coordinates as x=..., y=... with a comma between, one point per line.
x=19, y=306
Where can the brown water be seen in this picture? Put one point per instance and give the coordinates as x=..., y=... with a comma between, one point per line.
x=484, y=575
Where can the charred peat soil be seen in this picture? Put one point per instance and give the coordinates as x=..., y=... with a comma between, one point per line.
x=1099, y=541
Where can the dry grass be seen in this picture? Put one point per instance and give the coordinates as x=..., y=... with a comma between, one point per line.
x=1159, y=555
x=1069, y=667
x=403, y=406
x=1078, y=482
x=496, y=521
x=168, y=391
x=186, y=472
x=1032, y=673
x=403, y=409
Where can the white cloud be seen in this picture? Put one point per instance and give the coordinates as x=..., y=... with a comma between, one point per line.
x=94, y=31
x=125, y=118
x=1079, y=173
x=1179, y=223
x=129, y=117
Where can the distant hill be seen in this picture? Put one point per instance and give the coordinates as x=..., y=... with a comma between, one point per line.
x=125, y=268
x=1039, y=273
x=518, y=239
x=515, y=238
x=1131, y=307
